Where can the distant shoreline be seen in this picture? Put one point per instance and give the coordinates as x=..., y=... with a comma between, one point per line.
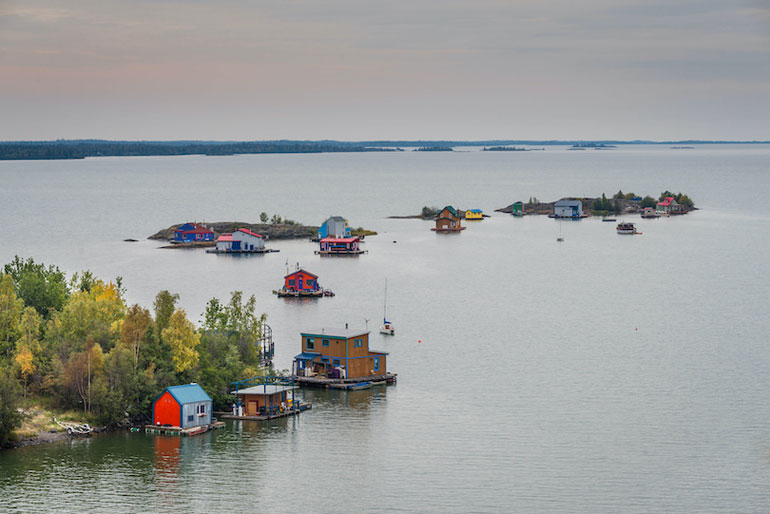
x=82, y=148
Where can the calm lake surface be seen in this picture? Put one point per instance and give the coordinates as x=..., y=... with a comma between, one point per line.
x=602, y=374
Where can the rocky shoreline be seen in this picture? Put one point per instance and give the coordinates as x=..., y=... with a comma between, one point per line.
x=269, y=231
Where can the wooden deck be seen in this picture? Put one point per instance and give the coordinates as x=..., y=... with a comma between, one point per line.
x=161, y=430
x=303, y=407
x=345, y=383
x=348, y=252
x=259, y=250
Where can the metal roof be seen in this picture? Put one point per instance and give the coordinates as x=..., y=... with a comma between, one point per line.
x=475, y=210
x=344, y=333
x=336, y=218
x=307, y=356
x=301, y=271
x=264, y=389
x=249, y=232
x=568, y=203
x=188, y=393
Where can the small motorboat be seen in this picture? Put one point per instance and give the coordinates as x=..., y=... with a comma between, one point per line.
x=626, y=228
x=387, y=328
x=609, y=219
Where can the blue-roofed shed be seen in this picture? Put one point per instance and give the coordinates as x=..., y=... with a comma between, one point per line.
x=184, y=406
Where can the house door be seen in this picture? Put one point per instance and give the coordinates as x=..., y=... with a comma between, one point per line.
x=252, y=410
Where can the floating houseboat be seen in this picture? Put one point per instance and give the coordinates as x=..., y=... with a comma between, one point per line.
x=302, y=284
x=668, y=206
x=193, y=233
x=649, y=213
x=517, y=209
x=568, y=209
x=626, y=228
x=340, y=246
x=335, y=226
x=448, y=220
x=183, y=410
x=264, y=398
x=241, y=241
x=474, y=215
x=339, y=356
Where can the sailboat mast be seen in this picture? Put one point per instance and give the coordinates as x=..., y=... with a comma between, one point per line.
x=385, y=305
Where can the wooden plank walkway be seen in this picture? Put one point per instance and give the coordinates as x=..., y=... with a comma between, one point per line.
x=344, y=383
x=303, y=407
x=161, y=430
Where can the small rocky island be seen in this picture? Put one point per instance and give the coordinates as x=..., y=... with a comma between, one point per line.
x=270, y=231
x=619, y=203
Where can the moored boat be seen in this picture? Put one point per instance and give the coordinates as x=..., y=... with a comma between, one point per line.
x=626, y=228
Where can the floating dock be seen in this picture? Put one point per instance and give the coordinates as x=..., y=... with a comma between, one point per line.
x=282, y=293
x=164, y=430
x=288, y=412
x=345, y=383
x=256, y=250
x=347, y=252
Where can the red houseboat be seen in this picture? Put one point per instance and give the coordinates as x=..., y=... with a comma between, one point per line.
x=302, y=283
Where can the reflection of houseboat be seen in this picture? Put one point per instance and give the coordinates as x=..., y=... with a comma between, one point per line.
x=448, y=220
x=340, y=246
x=302, y=284
x=626, y=228
x=339, y=356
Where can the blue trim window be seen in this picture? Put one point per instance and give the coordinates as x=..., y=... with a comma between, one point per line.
x=325, y=342
x=310, y=344
x=358, y=343
x=336, y=362
x=376, y=364
x=325, y=360
x=190, y=417
x=291, y=282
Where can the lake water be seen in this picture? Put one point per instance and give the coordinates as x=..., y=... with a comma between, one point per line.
x=606, y=373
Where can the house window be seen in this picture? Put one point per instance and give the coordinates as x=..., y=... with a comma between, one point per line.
x=325, y=360
x=336, y=362
x=325, y=342
x=190, y=417
x=291, y=282
x=376, y=364
x=358, y=343
x=310, y=345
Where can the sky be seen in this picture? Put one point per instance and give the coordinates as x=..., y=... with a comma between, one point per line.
x=361, y=70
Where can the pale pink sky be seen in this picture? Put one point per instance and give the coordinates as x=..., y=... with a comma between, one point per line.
x=358, y=69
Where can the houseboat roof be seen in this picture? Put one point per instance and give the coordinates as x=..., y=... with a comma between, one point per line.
x=335, y=218
x=451, y=209
x=225, y=238
x=264, y=389
x=668, y=201
x=196, y=229
x=301, y=271
x=188, y=393
x=249, y=232
x=339, y=333
x=307, y=356
x=339, y=239
x=477, y=211
x=568, y=203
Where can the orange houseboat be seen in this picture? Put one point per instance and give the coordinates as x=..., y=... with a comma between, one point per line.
x=339, y=355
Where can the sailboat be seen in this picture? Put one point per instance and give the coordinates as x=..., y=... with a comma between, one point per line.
x=387, y=326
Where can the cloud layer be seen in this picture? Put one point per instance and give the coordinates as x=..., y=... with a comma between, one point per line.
x=357, y=69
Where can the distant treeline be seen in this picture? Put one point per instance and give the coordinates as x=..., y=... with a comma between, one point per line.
x=82, y=148
x=96, y=148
